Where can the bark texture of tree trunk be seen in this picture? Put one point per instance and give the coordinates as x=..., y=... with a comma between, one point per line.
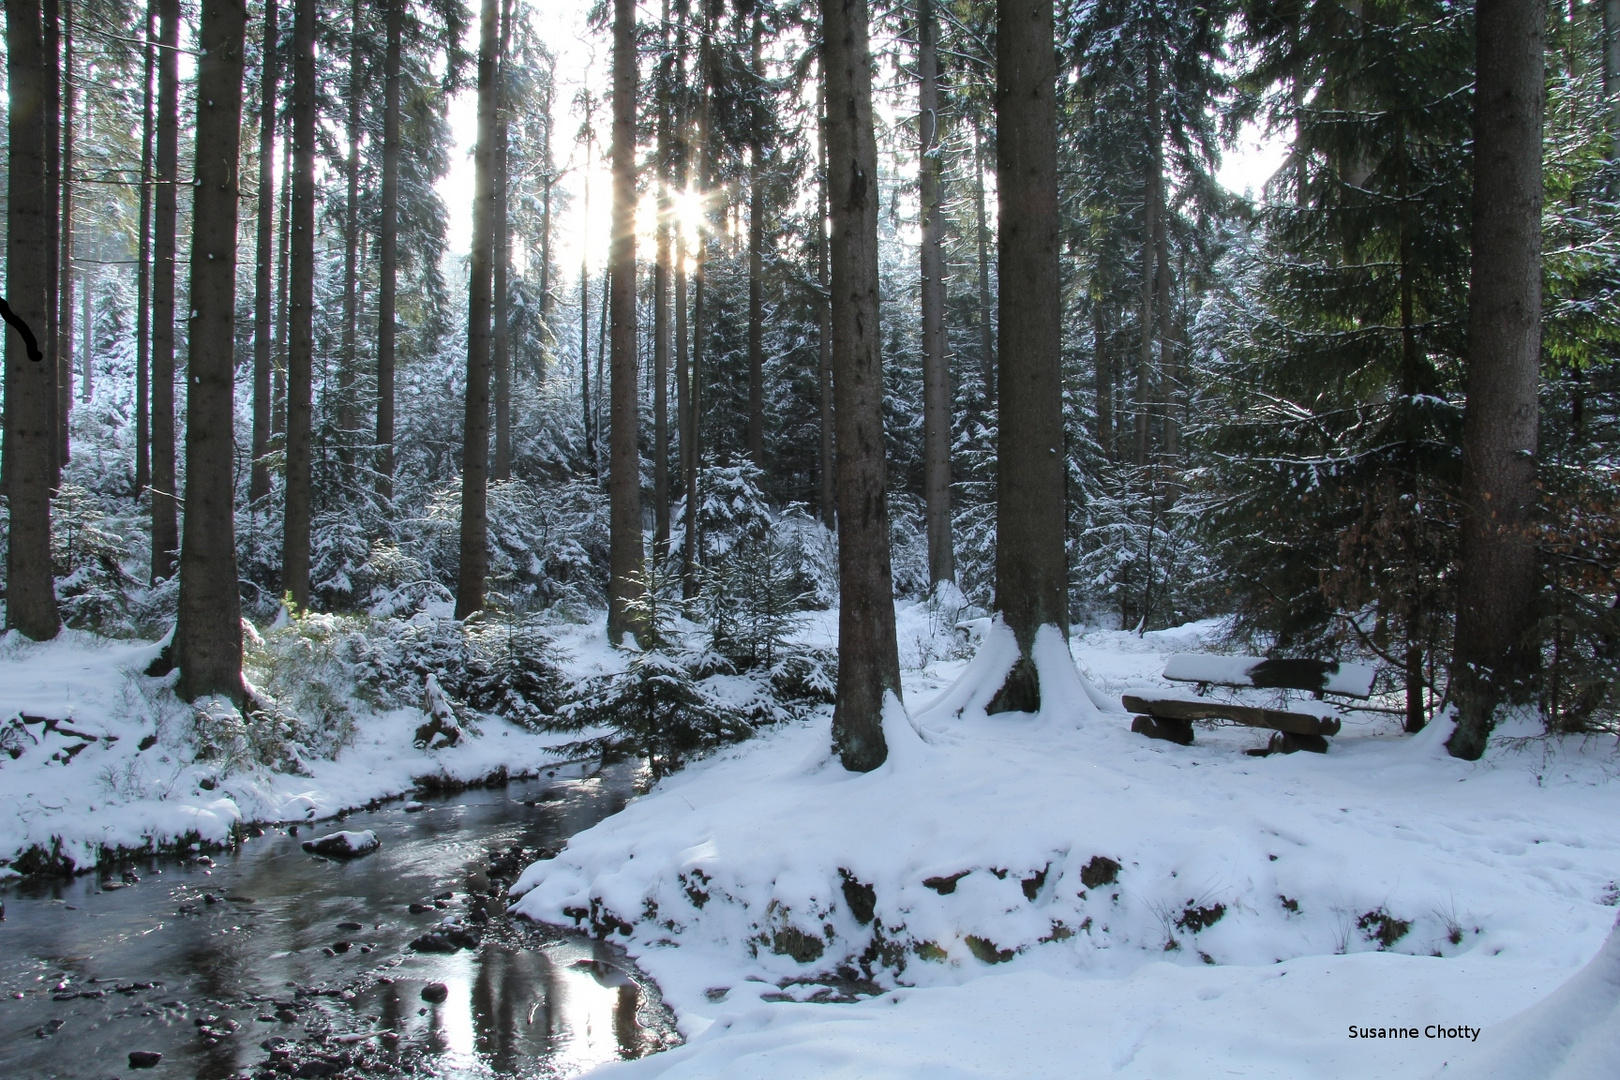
x=349, y=359
x=1496, y=657
x=501, y=340
x=53, y=223
x=868, y=655
x=64, y=289
x=143, y=267
x=1031, y=573
x=824, y=371
x=208, y=636
x=625, y=553
x=756, y=241
x=300, y=315
x=165, y=506
x=388, y=254
x=987, y=344
x=474, y=571
x=936, y=369
x=30, y=380
x=661, y=268
x=264, y=260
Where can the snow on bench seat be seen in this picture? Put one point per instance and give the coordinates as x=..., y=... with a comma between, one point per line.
x=1325, y=676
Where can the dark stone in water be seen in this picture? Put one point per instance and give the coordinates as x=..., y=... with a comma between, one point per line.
x=434, y=993
x=433, y=943
x=342, y=946
x=286, y=1016
x=418, y=909
x=144, y=1059
x=350, y=926
x=315, y=1068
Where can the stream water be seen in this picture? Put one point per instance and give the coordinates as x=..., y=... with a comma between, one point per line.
x=269, y=962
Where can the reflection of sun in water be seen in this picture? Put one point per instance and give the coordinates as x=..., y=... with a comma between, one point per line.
x=583, y=1009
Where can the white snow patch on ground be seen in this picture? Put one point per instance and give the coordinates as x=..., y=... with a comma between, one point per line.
x=1263, y=907
x=113, y=794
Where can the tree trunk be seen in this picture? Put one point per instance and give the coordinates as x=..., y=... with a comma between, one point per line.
x=1150, y=228
x=936, y=369
x=585, y=302
x=756, y=243
x=987, y=347
x=625, y=552
x=208, y=638
x=1169, y=378
x=264, y=260
x=824, y=370
x=692, y=440
x=87, y=349
x=64, y=297
x=300, y=316
x=165, y=509
x=1031, y=574
x=388, y=255
x=29, y=451
x=1496, y=655
x=474, y=570
x=1611, y=72
x=349, y=364
x=868, y=656
x=661, y=268
x=143, y=267
x=53, y=226
x=1105, y=374
x=279, y=352
x=502, y=333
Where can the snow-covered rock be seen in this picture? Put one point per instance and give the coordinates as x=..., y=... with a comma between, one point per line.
x=344, y=845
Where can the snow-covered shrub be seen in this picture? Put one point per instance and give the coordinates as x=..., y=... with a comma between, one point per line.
x=749, y=601
x=548, y=544
x=908, y=545
x=814, y=551
x=734, y=509
x=506, y=665
x=303, y=677
x=94, y=591
x=658, y=708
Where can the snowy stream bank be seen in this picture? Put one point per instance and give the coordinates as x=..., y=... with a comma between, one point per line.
x=1021, y=896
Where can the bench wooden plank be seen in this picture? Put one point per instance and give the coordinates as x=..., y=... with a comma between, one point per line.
x=1275, y=719
x=1317, y=676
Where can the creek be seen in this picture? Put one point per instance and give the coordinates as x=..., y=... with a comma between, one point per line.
x=267, y=961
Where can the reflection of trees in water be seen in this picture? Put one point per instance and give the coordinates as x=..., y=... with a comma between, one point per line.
x=513, y=998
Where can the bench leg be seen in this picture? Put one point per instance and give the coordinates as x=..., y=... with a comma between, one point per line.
x=1286, y=742
x=1157, y=727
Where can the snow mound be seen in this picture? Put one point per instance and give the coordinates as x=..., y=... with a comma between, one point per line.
x=1573, y=1034
x=1006, y=889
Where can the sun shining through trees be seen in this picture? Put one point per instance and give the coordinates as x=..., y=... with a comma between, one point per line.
x=428, y=392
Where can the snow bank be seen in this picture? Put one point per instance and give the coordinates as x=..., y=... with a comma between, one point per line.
x=1052, y=895
x=96, y=756
x=1574, y=1034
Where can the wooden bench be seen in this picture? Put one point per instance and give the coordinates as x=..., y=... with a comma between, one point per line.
x=1171, y=717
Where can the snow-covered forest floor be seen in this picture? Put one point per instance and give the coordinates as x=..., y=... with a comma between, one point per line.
x=1006, y=896
x=1038, y=896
